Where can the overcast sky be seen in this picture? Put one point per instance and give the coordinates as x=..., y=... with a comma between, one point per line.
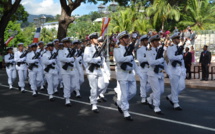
x=52, y=7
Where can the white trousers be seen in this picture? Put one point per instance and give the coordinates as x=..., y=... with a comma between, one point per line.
x=96, y=83
x=157, y=86
x=144, y=85
x=177, y=85
x=35, y=79
x=76, y=81
x=11, y=73
x=52, y=80
x=22, y=77
x=69, y=84
x=128, y=91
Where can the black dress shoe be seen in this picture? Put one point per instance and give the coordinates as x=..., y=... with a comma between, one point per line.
x=55, y=93
x=34, y=95
x=52, y=99
x=42, y=89
x=150, y=106
x=178, y=108
x=167, y=98
x=68, y=105
x=103, y=99
x=79, y=96
x=159, y=113
x=23, y=91
x=129, y=118
x=95, y=111
x=99, y=100
x=119, y=109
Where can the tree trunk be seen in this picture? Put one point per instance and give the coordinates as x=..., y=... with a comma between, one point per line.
x=64, y=22
x=3, y=24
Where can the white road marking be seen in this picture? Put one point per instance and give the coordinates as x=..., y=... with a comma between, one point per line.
x=134, y=113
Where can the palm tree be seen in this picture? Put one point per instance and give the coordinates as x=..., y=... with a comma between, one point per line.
x=200, y=14
x=161, y=10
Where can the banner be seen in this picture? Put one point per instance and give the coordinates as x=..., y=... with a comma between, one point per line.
x=105, y=23
x=37, y=35
x=8, y=41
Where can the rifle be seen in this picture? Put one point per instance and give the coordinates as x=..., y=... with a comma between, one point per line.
x=159, y=55
x=50, y=66
x=70, y=54
x=143, y=64
x=36, y=56
x=128, y=52
x=24, y=53
x=97, y=54
x=10, y=58
x=179, y=52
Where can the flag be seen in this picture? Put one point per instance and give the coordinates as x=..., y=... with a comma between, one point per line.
x=8, y=41
x=37, y=35
x=105, y=23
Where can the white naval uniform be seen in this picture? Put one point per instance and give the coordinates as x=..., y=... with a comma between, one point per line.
x=144, y=84
x=126, y=78
x=177, y=74
x=59, y=70
x=36, y=74
x=67, y=75
x=156, y=80
x=96, y=80
x=40, y=61
x=52, y=74
x=11, y=70
x=22, y=69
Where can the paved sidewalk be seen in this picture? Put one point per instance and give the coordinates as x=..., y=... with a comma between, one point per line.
x=192, y=83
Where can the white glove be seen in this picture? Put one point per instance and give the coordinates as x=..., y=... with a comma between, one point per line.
x=71, y=59
x=130, y=57
x=161, y=60
x=23, y=59
x=180, y=57
x=36, y=60
x=97, y=59
x=53, y=61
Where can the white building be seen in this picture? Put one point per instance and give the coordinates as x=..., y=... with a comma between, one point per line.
x=51, y=25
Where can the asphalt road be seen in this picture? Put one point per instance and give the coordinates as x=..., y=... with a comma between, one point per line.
x=20, y=113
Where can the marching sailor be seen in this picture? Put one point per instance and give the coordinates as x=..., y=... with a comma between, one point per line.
x=144, y=67
x=93, y=70
x=50, y=70
x=177, y=73
x=34, y=69
x=20, y=59
x=10, y=67
x=125, y=74
x=67, y=69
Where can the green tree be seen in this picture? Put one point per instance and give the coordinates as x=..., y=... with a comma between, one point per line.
x=8, y=11
x=46, y=35
x=161, y=10
x=200, y=15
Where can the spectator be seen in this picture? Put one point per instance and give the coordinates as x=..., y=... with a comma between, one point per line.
x=192, y=51
x=187, y=62
x=176, y=30
x=205, y=61
x=1, y=61
x=192, y=37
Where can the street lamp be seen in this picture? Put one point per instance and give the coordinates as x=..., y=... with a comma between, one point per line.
x=40, y=21
x=101, y=8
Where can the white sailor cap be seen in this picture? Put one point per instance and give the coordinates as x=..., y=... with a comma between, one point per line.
x=67, y=39
x=33, y=45
x=93, y=35
x=134, y=35
x=8, y=48
x=153, y=38
x=20, y=44
x=122, y=34
x=40, y=42
x=29, y=45
x=55, y=40
x=76, y=42
x=175, y=35
x=50, y=44
x=144, y=37
x=100, y=39
x=60, y=44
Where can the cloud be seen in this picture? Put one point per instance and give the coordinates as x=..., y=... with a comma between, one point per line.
x=49, y=7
